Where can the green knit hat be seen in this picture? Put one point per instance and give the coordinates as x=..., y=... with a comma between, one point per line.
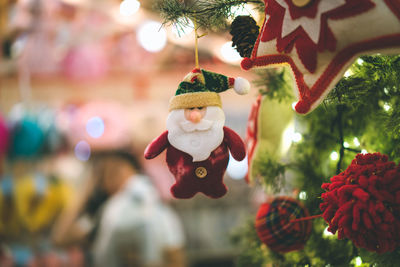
x=200, y=88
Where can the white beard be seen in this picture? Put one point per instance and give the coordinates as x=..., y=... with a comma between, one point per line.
x=196, y=139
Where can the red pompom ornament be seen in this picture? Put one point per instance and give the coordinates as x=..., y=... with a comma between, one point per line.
x=278, y=227
x=362, y=203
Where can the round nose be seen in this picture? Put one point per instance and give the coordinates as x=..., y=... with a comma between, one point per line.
x=195, y=116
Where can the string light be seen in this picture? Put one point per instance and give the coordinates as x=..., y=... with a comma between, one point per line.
x=363, y=151
x=357, y=261
x=326, y=233
x=356, y=142
x=346, y=145
x=152, y=36
x=334, y=155
x=348, y=73
x=360, y=61
x=303, y=195
x=129, y=7
x=386, y=107
x=296, y=137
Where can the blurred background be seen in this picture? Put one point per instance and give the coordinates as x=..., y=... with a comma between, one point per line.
x=84, y=87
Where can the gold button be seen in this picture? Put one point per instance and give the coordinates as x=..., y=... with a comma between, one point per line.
x=201, y=172
x=301, y=3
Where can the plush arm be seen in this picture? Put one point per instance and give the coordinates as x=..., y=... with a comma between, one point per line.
x=156, y=146
x=235, y=144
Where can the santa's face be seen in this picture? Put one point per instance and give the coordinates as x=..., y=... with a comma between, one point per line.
x=196, y=131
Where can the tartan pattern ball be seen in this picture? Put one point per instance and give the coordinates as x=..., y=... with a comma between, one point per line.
x=275, y=229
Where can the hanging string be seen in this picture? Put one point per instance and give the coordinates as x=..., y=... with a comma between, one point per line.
x=196, y=46
x=306, y=218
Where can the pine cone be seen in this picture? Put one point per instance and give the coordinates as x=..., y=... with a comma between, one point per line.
x=244, y=31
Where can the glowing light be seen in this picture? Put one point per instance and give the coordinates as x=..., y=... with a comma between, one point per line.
x=386, y=107
x=95, y=127
x=386, y=90
x=346, y=145
x=229, y=54
x=151, y=36
x=129, y=7
x=334, y=155
x=348, y=73
x=326, y=233
x=303, y=195
x=237, y=169
x=294, y=105
x=363, y=151
x=296, y=137
x=360, y=61
x=356, y=142
x=82, y=150
x=357, y=261
x=184, y=27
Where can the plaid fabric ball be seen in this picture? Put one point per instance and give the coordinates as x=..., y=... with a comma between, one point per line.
x=274, y=226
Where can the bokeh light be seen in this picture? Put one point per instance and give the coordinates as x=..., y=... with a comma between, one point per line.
x=152, y=36
x=229, y=54
x=334, y=155
x=82, y=150
x=129, y=7
x=95, y=127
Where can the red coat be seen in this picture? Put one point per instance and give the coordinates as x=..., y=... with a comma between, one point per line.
x=201, y=176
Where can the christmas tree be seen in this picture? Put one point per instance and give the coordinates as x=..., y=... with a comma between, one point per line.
x=358, y=116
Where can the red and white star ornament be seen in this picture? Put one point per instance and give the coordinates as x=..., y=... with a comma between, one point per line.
x=320, y=39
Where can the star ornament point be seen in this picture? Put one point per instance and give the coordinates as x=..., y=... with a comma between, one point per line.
x=320, y=41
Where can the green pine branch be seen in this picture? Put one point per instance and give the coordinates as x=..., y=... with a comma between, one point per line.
x=209, y=14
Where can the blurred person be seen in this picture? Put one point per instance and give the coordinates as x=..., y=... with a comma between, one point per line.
x=122, y=216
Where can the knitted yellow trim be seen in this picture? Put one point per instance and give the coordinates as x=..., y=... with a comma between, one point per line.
x=193, y=100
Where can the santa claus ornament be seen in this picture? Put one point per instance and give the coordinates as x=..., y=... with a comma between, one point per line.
x=196, y=140
x=319, y=40
x=363, y=203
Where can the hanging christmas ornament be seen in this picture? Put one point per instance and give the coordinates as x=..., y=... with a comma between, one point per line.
x=362, y=203
x=244, y=31
x=196, y=139
x=319, y=40
x=279, y=224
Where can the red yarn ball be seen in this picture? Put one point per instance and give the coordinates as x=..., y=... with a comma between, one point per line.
x=362, y=203
x=274, y=226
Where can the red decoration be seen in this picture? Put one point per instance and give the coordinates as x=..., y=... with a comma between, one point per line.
x=362, y=203
x=202, y=176
x=4, y=136
x=276, y=227
x=320, y=40
x=251, y=131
